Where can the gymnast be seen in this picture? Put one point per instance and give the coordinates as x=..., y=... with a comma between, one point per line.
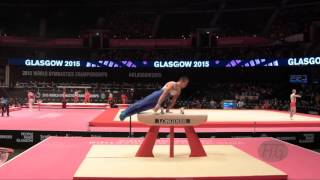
x=156, y=99
x=293, y=103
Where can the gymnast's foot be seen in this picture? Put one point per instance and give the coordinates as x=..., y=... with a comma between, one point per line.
x=122, y=116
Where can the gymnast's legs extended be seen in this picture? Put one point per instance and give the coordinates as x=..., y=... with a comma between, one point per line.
x=144, y=104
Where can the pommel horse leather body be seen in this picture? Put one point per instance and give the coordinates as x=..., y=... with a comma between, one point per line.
x=171, y=120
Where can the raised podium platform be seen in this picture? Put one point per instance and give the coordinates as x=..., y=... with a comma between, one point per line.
x=214, y=162
x=223, y=162
x=68, y=158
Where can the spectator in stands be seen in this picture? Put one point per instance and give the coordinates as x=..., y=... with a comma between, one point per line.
x=240, y=104
x=87, y=96
x=64, y=98
x=31, y=99
x=76, y=96
x=213, y=104
x=124, y=98
x=110, y=97
x=5, y=105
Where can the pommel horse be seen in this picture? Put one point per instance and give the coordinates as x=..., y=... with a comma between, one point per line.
x=171, y=120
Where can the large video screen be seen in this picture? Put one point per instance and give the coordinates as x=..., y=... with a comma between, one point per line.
x=232, y=63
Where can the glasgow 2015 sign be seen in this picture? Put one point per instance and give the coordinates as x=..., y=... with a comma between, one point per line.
x=182, y=63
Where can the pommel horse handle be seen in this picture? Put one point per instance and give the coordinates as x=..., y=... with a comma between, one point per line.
x=171, y=121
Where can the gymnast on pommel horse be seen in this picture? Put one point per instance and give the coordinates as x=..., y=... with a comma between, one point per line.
x=154, y=101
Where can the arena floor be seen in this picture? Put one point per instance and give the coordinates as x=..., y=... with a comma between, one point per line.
x=49, y=119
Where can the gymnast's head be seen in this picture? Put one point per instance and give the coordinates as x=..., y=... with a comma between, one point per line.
x=294, y=91
x=183, y=82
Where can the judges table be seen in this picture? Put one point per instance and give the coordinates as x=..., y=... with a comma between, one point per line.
x=171, y=120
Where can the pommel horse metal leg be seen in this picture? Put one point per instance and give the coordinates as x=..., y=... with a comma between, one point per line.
x=130, y=127
x=171, y=141
x=194, y=142
x=146, y=147
x=148, y=143
x=170, y=121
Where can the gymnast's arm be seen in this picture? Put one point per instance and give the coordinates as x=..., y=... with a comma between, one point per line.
x=173, y=102
x=163, y=96
x=297, y=96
